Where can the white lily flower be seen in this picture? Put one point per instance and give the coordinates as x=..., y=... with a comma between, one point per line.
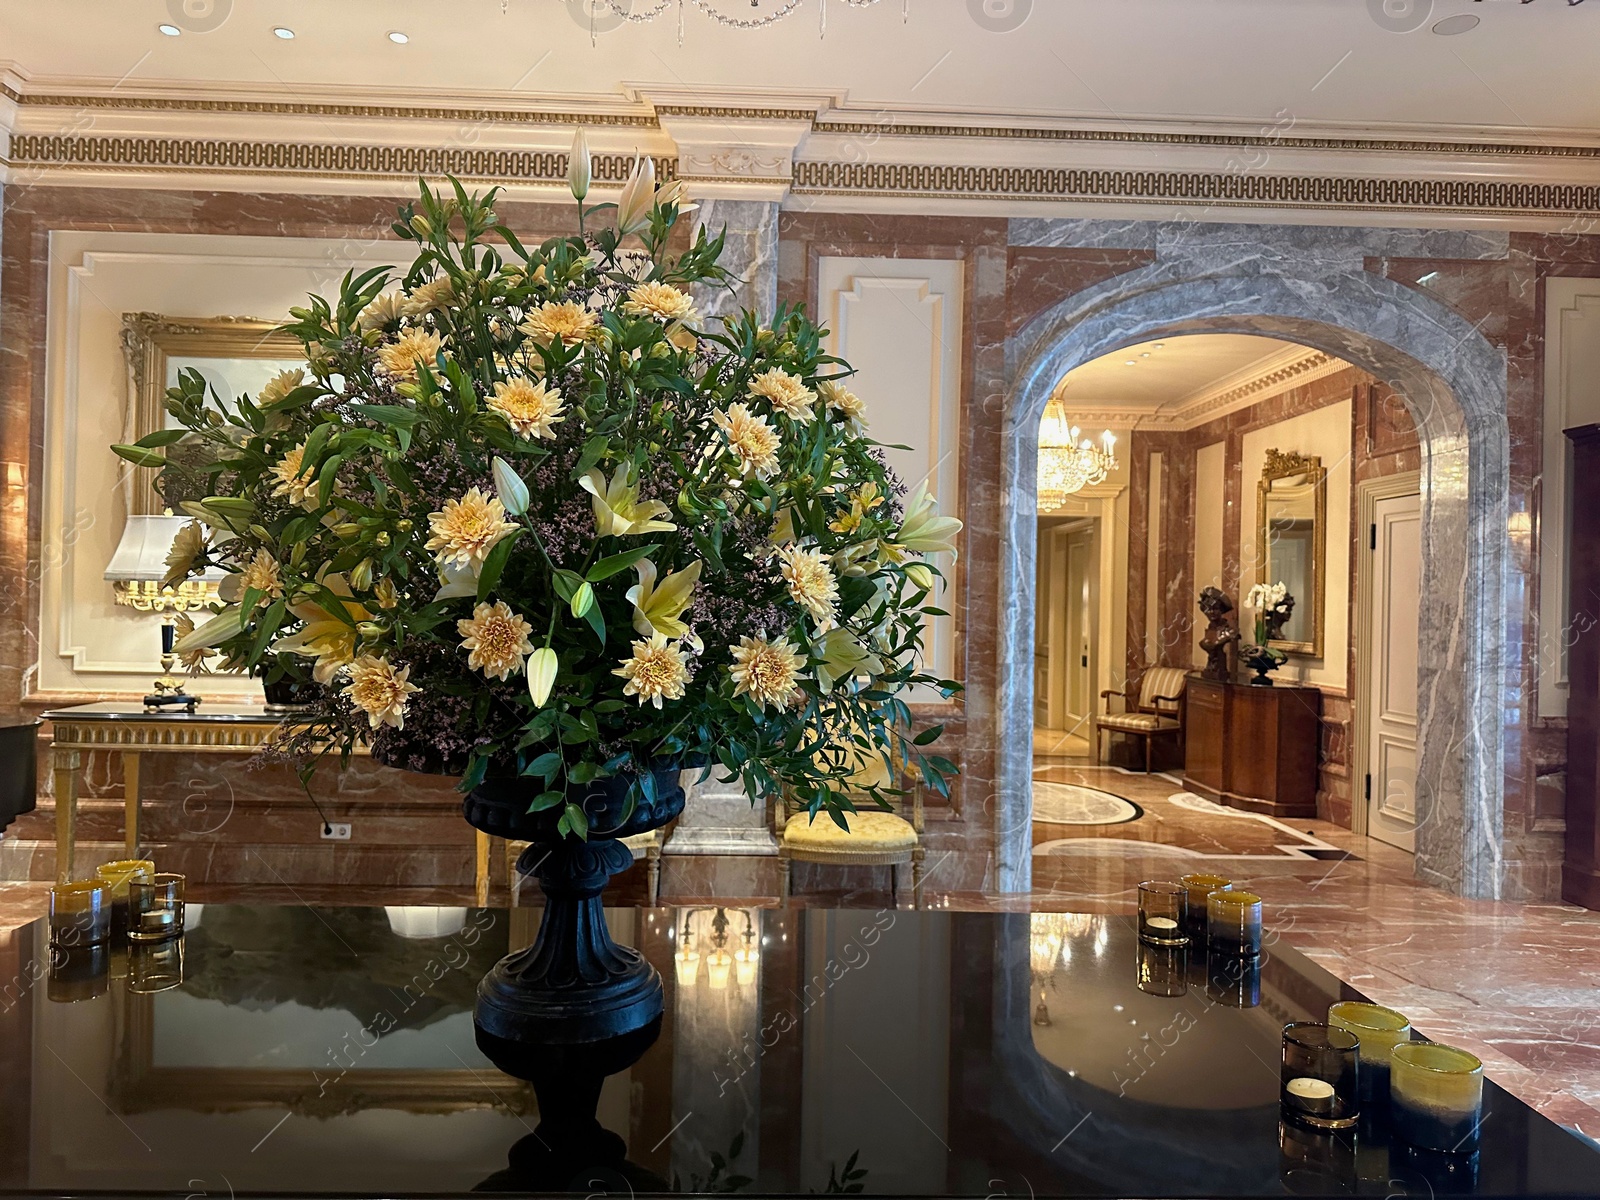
x=580, y=168
x=508, y=485
x=638, y=194
x=542, y=667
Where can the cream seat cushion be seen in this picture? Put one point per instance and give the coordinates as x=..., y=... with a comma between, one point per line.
x=868, y=831
x=1137, y=721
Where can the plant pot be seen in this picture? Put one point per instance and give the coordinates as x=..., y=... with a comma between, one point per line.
x=285, y=693
x=574, y=984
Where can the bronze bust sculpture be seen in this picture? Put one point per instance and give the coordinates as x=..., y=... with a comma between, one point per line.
x=1220, y=633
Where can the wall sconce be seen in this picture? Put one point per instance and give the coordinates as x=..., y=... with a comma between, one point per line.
x=741, y=964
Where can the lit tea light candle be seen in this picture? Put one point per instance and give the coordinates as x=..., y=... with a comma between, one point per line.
x=156, y=908
x=1311, y=1095
x=1319, y=1085
x=1164, y=924
x=1163, y=910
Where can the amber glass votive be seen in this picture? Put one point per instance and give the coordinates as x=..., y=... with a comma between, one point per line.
x=117, y=875
x=1435, y=1097
x=1379, y=1030
x=1199, y=886
x=1233, y=921
x=1163, y=913
x=1320, y=1083
x=80, y=913
x=78, y=972
x=155, y=908
x=155, y=966
x=1162, y=970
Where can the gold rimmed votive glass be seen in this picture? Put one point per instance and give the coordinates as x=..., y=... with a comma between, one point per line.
x=155, y=966
x=155, y=908
x=1435, y=1097
x=1320, y=1082
x=1379, y=1030
x=1163, y=913
x=1233, y=921
x=1199, y=885
x=117, y=875
x=80, y=913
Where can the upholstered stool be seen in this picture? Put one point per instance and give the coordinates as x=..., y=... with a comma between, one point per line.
x=875, y=839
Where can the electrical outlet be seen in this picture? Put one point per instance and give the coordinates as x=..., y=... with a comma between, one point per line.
x=336, y=831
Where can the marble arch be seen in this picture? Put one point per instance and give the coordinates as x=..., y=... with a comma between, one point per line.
x=1454, y=382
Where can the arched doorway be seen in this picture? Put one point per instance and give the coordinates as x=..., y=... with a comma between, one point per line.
x=1454, y=384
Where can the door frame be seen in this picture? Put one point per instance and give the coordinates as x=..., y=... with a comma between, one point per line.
x=1368, y=493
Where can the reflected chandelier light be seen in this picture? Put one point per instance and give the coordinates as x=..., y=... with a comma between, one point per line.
x=1068, y=464
x=762, y=14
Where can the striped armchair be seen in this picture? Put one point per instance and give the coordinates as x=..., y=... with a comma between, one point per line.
x=1157, y=713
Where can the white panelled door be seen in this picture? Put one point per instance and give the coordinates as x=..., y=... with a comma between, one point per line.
x=1394, y=584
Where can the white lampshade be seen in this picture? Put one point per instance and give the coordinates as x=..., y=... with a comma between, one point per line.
x=424, y=920
x=141, y=555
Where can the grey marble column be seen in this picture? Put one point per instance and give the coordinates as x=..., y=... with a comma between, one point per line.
x=750, y=254
x=718, y=818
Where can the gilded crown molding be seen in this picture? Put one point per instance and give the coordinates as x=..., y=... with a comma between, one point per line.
x=1294, y=367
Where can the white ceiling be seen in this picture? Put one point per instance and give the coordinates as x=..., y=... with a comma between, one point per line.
x=1167, y=374
x=1265, y=63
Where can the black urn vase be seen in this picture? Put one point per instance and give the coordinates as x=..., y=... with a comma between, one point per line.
x=574, y=984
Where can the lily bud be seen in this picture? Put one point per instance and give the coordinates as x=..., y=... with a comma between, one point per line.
x=638, y=194
x=542, y=664
x=419, y=225
x=921, y=576
x=580, y=170
x=371, y=630
x=583, y=599
x=361, y=575
x=508, y=484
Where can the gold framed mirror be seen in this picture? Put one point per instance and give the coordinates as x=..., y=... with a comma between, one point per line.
x=1291, y=543
x=237, y=355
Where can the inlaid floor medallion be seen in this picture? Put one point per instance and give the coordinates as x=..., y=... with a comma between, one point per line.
x=1070, y=804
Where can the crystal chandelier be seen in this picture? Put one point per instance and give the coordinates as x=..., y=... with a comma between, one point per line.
x=762, y=12
x=1068, y=464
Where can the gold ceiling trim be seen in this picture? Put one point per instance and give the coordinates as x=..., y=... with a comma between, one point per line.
x=311, y=158
x=1046, y=134
x=1185, y=187
x=837, y=125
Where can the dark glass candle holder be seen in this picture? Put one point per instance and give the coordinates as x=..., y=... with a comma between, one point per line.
x=1162, y=970
x=1320, y=1083
x=1163, y=913
x=1234, y=923
x=1435, y=1097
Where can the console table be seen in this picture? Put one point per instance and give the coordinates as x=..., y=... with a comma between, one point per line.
x=127, y=728
x=1253, y=748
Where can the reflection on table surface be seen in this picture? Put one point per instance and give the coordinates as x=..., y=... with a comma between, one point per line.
x=330, y=1050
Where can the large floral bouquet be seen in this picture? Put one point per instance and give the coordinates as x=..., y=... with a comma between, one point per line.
x=528, y=514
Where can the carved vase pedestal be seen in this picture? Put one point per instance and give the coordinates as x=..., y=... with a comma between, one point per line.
x=574, y=985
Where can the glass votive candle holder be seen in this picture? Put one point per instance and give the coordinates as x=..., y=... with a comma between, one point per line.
x=1233, y=921
x=1199, y=886
x=155, y=908
x=1320, y=1082
x=1162, y=970
x=78, y=972
x=1233, y=981
x=1312, y=1162
x=80, y=913
x=1435, y=1097
x=117, y=875
x=1163, y=913
x=1379, y=1030
x=155, y=966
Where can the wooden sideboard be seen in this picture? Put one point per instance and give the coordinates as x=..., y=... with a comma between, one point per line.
x=1253, y=748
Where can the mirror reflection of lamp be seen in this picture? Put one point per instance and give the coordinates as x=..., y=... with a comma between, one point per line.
x=136, y=571
x=740, y=964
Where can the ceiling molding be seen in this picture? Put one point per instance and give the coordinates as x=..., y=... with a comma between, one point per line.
x=1294, y=367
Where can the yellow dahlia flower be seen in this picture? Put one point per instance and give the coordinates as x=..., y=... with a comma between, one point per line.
x=533, y=410
x=413, y=348
x=565, y=321
x=497, y=638
x=279, y=386
x=380, y=691
x=753, y=442
x=660, y=301
x=294, y=484
x=841, y=400
x=656, y=672
x=765, y=671
x=811, y=583
x=427, y=297
x=187, y=547
x=785, y=393
x=467, y=529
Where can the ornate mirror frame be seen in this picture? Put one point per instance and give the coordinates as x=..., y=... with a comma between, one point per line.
x=149, y=339
x=1283, y=464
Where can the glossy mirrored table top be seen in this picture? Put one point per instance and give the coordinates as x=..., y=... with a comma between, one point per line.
x=331, y=1051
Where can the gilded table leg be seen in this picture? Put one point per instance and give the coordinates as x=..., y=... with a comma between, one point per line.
x=68, y=765
x=481, y=871
x=130, y=801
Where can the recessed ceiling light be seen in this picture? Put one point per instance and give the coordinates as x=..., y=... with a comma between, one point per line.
x=1132, y=362
x=1144, y=354
x=1158, y=345
x=284, y=32
x=1456, y=24
x=169, y=30
x=398, y=38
